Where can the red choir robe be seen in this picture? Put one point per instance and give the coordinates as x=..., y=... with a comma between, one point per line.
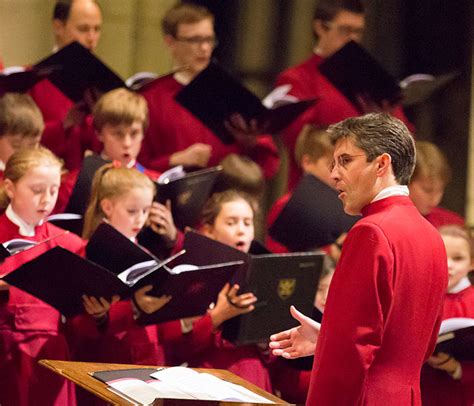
x=172, y=128
x=31, y=330
x=437, y=387
x=331, y=107
x=203, y=347
x=382, y=313
x=70, y=144
x=441, y=217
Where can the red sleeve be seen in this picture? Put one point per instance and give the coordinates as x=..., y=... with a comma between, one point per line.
x=187, y=346
x=265, y=153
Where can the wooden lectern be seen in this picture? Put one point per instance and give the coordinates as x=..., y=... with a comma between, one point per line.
x=80, y=374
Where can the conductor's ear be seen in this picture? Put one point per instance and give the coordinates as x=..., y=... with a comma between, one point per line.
x=384, y=164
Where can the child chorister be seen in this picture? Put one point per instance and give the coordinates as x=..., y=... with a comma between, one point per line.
x=123, y=198
x=228, y=217
x=445, y=380
x=21, y=125
x=29, y=328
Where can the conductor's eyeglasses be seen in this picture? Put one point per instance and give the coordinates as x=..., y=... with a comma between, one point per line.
x=343, y=161
x=198, y=41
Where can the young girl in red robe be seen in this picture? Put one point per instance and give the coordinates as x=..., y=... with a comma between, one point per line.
x=123, y=197
x=445, y=380
x=30, y=329
x=228, y=217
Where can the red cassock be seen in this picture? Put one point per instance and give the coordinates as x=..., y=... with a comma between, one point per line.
x=437, y=387
x=382, y=313
x=121, y=340
x=172, y=128
x=331, y=107
x=205, y=348
x=31, y=330
x=70, y=144
x=441, y=217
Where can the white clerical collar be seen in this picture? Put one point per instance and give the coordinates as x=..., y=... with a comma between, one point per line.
x=464, y=283
x=2, y=165
x=396, y=190
x=24, y=229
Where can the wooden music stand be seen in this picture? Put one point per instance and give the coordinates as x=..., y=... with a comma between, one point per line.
x=80, y=374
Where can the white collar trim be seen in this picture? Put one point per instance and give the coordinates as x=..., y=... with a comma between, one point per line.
x=396, y=190
x=24, y=229
x=461, y=285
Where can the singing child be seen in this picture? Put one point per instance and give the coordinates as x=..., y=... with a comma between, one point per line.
x=123, y=197
x=228, y=217
x=445, y=380
x=30, y=329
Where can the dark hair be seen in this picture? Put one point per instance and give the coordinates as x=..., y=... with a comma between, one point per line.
x=326, y=10
x=62, y=9
x=214, y=204
x=184, y=13
x=379, y=133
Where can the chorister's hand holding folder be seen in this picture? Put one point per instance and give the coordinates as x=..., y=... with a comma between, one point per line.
x=79, y=71
x=278, y=281
x=60, y=278
x=196, y=278
x=187, y=192
x=315, y=211
x=355, y=73
x=456, y=338
x=214, y=95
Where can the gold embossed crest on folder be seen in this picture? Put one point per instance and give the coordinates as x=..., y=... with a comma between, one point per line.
x=286, y=288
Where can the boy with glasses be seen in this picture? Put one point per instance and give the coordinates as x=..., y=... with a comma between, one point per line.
x=335, y=23
x=175, y=136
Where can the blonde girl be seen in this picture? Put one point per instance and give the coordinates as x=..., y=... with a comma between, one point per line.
x=29, y=328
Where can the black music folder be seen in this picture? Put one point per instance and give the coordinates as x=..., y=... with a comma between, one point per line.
x=81, y=192
x=79, y=70
x=456, y=338
x=354, y=72
x=112, y=250
x=17, y=245
x=23, y=80
x=187, y=192
x=67, y=221
x=195, y=279
x=214, y=95
x=60, y=278
x=278, y=281
x=312, y=218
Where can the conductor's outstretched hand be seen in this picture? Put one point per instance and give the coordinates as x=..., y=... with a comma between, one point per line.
x=298, y=341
